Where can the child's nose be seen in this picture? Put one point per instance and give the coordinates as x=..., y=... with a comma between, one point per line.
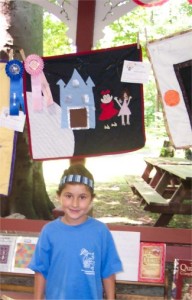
x=75, y=202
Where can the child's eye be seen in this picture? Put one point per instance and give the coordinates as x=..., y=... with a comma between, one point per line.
x=68, y=196
x=83, y=197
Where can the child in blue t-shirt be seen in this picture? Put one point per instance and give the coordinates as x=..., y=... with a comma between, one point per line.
x=75, y=257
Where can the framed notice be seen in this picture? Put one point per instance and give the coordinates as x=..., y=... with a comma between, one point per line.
x=152, y=262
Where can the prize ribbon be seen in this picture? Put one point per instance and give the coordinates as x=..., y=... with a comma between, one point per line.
x=156, y=3
x=34, y=66
x=14, y=70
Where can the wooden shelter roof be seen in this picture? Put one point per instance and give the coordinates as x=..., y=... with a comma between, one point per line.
x=80, y=15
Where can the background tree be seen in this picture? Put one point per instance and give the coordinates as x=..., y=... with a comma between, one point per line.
x=28, y=194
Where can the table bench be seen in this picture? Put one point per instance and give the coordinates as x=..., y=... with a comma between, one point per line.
x=166, y=191
x=178, y=245
x=155, y=161
x=146, y=191
x=155, y=202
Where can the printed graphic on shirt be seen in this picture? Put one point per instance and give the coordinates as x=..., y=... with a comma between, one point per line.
x=88, y=261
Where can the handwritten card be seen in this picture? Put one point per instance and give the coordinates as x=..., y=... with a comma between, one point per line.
x=15, y=123
x=135, y=72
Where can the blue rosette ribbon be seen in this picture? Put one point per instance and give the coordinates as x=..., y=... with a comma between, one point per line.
x=14, y=70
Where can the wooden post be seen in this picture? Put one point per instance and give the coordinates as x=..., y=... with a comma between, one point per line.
x=85, y=25
x=84, y=37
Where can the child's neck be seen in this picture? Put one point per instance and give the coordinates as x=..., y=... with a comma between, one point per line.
x=73, y=222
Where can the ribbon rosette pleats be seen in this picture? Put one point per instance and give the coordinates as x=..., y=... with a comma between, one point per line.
x=34, y=66
x=14, y=70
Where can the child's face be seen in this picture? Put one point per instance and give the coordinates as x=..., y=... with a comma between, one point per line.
x=76, y=200
x=106, y=98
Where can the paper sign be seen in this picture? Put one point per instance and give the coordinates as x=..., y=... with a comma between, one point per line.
x=135, y=72
x=128, y=245
x=15, y=123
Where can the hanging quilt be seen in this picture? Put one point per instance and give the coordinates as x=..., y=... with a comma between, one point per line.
x=171, y=58
x=7, y=138
x=77, y=105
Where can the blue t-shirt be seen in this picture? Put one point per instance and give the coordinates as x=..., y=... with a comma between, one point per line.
x=75, y=259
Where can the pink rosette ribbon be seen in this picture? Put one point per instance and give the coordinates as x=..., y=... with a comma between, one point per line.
x=34, y=66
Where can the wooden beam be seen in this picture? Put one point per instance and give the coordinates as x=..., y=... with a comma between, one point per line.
x=178, y=240
x=148, y=233
x=85, y=25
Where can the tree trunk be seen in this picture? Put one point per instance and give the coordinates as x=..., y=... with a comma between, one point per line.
x=28, y=194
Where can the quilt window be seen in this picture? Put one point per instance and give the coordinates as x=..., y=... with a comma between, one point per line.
x=78, y=118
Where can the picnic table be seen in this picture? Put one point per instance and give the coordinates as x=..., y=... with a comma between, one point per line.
x=165, y=187
x=154, y=162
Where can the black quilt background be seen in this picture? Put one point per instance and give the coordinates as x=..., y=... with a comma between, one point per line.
x=183, y=73
x=105, y=69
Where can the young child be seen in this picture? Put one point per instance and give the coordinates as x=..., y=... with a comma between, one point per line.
x=75, y=257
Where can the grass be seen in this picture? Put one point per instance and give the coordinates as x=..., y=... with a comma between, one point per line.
x=115, y=203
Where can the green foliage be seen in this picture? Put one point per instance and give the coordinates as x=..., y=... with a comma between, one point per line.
x=188, y=154
x=55, y=40
x=167, y=150
x=155, y=22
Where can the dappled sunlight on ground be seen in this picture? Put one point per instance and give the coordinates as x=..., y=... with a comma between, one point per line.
x=125, y=221
x=119, y=220
x=111, y=203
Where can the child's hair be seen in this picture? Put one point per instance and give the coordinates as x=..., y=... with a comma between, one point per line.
x=77, y=173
